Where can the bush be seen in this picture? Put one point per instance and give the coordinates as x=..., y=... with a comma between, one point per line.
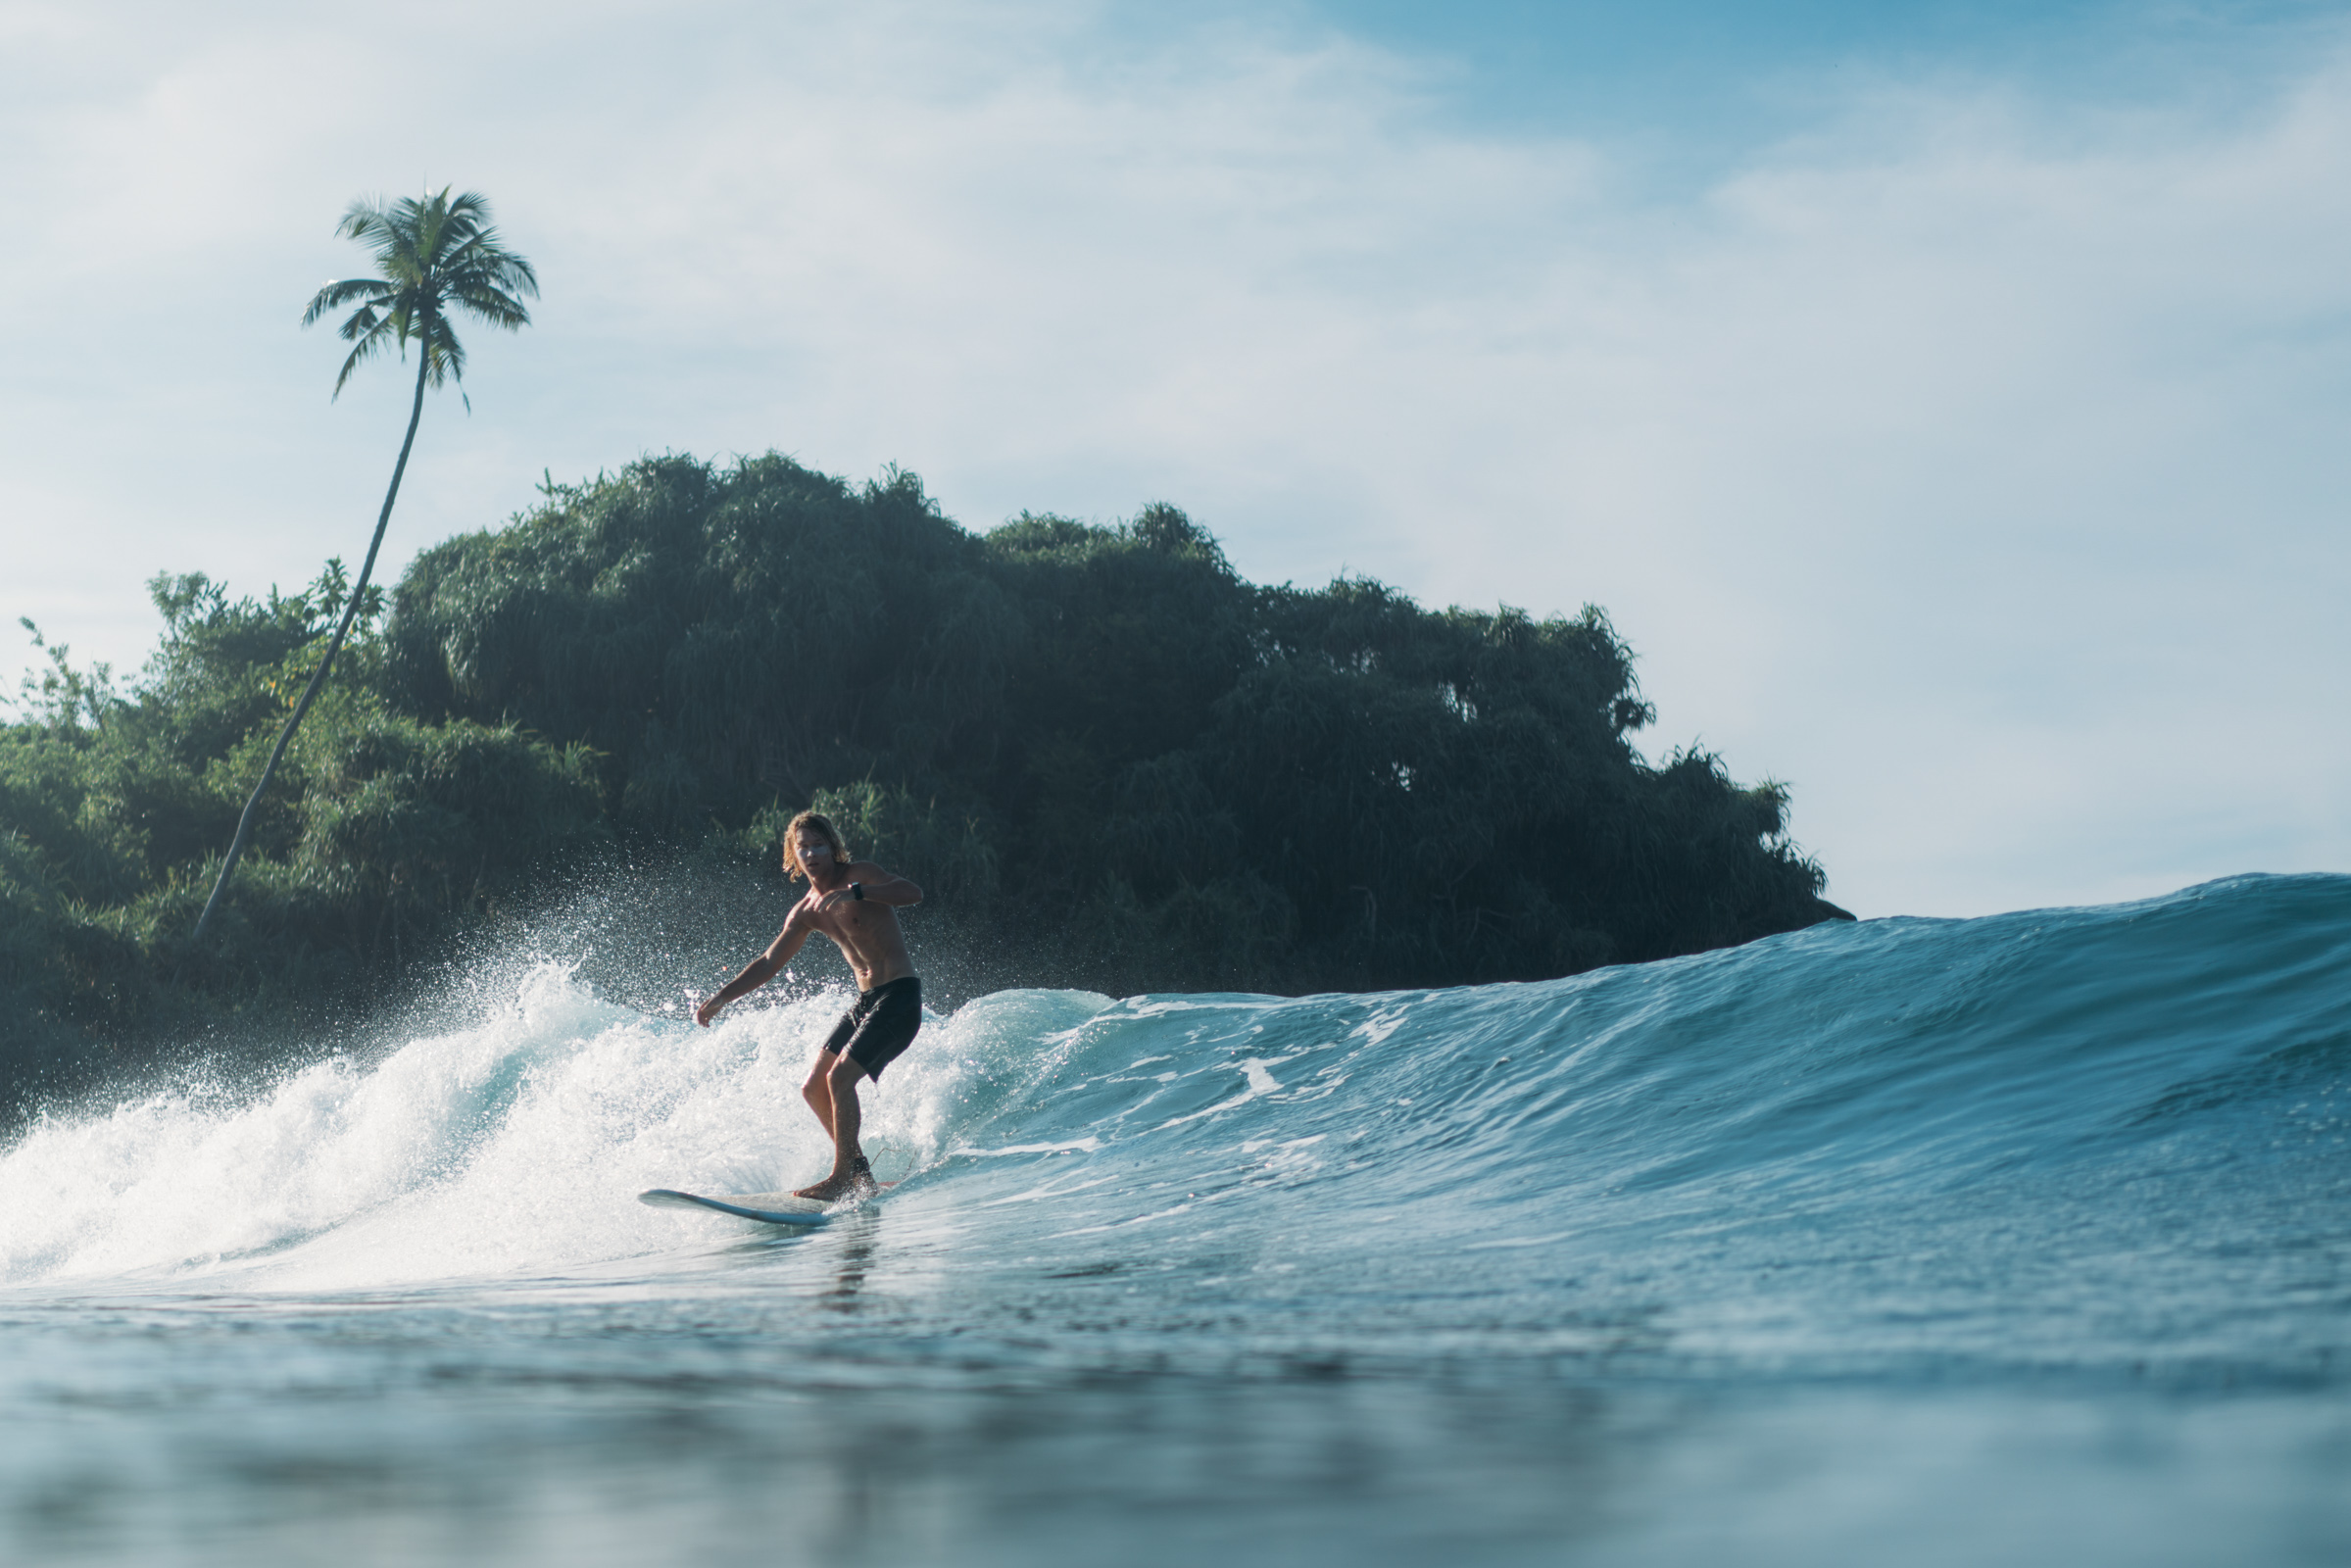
x=383, y=835
x=1100, y=734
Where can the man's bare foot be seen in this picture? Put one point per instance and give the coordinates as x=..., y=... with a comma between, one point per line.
x=858, y=1178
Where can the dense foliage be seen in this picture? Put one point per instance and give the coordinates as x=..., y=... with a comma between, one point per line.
x=115, y=810
x=1109, y=759
x=1101, y=741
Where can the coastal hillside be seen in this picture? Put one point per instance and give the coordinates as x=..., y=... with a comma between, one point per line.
x=1113, y=762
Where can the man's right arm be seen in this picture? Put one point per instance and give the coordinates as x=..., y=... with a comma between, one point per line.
x=757, y=973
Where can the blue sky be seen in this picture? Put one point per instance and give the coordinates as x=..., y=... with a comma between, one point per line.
x=1946, y=400
x=1704, y=80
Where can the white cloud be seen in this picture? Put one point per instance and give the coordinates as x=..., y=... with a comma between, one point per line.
x=1969, y=462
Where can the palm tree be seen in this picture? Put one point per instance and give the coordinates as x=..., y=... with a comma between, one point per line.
x=432, y=253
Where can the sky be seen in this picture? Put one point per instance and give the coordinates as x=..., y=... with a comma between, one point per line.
x=1946, y=401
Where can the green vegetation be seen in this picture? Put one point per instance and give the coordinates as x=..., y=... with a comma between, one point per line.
x=432, y=255
x=112, y=807
x=1109, y=759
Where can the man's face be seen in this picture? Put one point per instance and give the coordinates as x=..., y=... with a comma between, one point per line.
x=814, y=854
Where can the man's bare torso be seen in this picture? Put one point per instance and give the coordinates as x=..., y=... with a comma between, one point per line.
x=865, y=931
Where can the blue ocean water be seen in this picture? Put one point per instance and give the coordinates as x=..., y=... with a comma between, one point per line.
x=2022, y=1239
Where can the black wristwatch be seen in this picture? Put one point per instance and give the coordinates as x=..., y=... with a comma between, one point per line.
x=856, y=890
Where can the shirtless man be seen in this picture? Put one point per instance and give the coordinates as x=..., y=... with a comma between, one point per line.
x=853, y=901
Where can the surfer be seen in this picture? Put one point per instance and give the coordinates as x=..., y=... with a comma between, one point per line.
x=856, y=904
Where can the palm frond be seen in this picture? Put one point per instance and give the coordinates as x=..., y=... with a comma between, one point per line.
x=361, y=323
x=492, y=306
x=484, y=255
x=361, y=221
x=445, y=355
x=370, y=343
x=372, y=290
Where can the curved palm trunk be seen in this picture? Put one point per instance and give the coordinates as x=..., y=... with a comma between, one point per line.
x=236, y=846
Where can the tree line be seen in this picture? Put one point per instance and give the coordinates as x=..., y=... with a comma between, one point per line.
x=1112, y=760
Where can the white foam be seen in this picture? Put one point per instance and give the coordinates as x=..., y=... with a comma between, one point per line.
x=1259, y=1081
x=519, y=1143
x=1074, y=1146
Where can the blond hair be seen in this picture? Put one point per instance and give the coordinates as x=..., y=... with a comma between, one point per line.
x=823, y=828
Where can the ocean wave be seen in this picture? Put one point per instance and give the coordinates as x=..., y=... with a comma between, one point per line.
x=1961, y=1085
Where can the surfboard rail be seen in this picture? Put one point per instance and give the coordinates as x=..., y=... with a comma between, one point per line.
x=766, y=1207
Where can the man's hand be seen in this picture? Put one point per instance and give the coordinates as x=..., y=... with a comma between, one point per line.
x=708, y=1011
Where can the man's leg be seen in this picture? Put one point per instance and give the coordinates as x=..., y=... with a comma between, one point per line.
x=848, y=1161
x=818, y=1089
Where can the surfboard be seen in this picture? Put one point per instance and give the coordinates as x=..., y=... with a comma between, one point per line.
x=771, y=1209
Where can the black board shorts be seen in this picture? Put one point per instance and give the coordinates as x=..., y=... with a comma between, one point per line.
x=879, y=1025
